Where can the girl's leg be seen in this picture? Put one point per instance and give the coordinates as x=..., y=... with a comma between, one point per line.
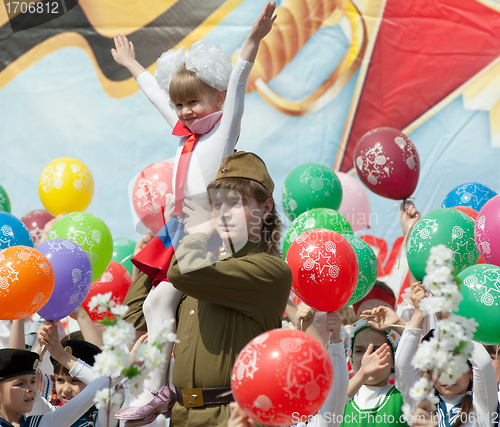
x=161, y=304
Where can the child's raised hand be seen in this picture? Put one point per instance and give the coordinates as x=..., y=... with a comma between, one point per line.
x=141, y=340
x=382, y=318
x=417, y=294
x=305, y=317
x=123, y=52
x=334, y=325
x=262, y=26
x=408, y=216
x=50, y=339
x=373, y=362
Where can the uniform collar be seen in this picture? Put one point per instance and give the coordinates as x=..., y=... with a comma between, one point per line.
x=201, y=127
x=249, y=248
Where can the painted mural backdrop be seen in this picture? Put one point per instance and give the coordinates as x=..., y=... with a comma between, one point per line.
x=330, y=71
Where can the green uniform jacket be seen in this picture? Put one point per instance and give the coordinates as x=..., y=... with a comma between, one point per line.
x=227, y=304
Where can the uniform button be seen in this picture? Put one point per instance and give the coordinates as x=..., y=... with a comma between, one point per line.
x=191, y=313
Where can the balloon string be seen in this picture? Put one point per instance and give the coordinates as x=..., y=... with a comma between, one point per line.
x=301, y=328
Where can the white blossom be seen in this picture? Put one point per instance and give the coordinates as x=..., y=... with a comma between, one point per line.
x=419, y=390
x=110, y=363
x=119, y=310
x=101, y=302
x=150, y=354
x=106, y=397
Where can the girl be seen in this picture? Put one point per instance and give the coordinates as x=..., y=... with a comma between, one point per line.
x=206, y=136
x=372, y=399
x=18, y=393
x=458, y=406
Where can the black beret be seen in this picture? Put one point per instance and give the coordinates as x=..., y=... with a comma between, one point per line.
x=80, y=349
x=14, y=362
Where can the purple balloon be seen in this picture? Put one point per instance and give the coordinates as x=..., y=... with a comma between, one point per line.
x=73, y=277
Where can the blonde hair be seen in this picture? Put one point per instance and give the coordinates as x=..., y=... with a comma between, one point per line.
x=271, y=224
x=186, y=85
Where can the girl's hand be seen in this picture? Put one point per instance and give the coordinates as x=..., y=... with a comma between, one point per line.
x=197, y=219
x=262, y=26
x=334, y=325
x=141, y=340
x=305, y=317
x=417, y=294
x=384, y=318
x=239, y=417
x=408, y=217
x=50, y=339
x=373, y=362
x=124, y=52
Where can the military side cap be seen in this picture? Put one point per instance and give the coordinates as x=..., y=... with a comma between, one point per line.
x=245, y=165
x=80, y=349
x=14, y=362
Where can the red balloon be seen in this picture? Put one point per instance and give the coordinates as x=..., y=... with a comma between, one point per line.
x=468, y=211
x=324, y=267
x=282, y=376
x=387, y=163
x=148, y=195
x=35, y=221
x=117, y=280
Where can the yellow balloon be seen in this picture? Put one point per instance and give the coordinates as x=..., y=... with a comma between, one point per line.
x=65, y=185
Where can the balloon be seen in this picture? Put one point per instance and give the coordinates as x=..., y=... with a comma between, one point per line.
x=65, y=185
x=26, y=282
x=481, y=301
x=355, y=205
x=148, y=195
x=466, y=210
x=282, y=376
x=316, y=218
x=387, y=163
x=487, y=231
x=368, y=268
x=13, y=232
x=35, y=221
x=73, y=277
x=324, y=267
x=310, y=186
x=4, y=200
x=91, y=234
x=445, y=226
x=117, y=280
x=123, y=251
x=472, y=194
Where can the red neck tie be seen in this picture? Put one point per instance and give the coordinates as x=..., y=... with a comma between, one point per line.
x=181, y=172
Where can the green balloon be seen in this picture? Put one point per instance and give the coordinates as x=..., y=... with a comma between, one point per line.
x=123, y=251
x=480, y=289
x=368, y=268
x=446, y=226
x=316, y=218
x=91, y=233
x=310, y=186
x=4, y=200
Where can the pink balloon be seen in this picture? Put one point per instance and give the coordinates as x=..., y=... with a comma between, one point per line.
x=487, y=231
x=150, y=188
x=35, y=221
x=387, y=163
x=355, y=204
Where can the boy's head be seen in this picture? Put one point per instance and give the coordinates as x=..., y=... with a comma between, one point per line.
x=242, y=203
x=381, y=294
x=67, y=386
x=17, y=380
x=362, y=336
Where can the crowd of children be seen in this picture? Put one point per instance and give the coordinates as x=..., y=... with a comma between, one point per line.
x=222, y=302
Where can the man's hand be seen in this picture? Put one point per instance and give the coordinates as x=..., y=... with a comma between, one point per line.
x=197, y=219
x=169, y=207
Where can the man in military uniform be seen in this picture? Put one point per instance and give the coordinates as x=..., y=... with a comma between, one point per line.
x=228, y=302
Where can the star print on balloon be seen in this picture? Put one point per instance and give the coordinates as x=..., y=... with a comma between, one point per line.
x=387, y=163
x=280, y=375
x=324, y=267
x=445, y=226
x=310, y=186
x=13, y=232
x=472, y=194
x=20, y=268
x=481, y=297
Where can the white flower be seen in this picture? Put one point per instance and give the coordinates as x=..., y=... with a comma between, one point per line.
x=285, y=324
x=171, y=337
x=106, y=397
x=102, y=302
x=119, y=310
x=424, y=355
x=431, y=305
x=134, y=385
x=111, y=363
x=420, y=389
x=150, y=354
x=121, y=333
x=164, y=330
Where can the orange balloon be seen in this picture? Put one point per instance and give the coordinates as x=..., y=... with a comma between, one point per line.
x=26, y=282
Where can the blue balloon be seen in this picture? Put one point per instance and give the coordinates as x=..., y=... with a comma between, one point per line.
x=13, y=232
x=73, y=277
x=472, y=194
